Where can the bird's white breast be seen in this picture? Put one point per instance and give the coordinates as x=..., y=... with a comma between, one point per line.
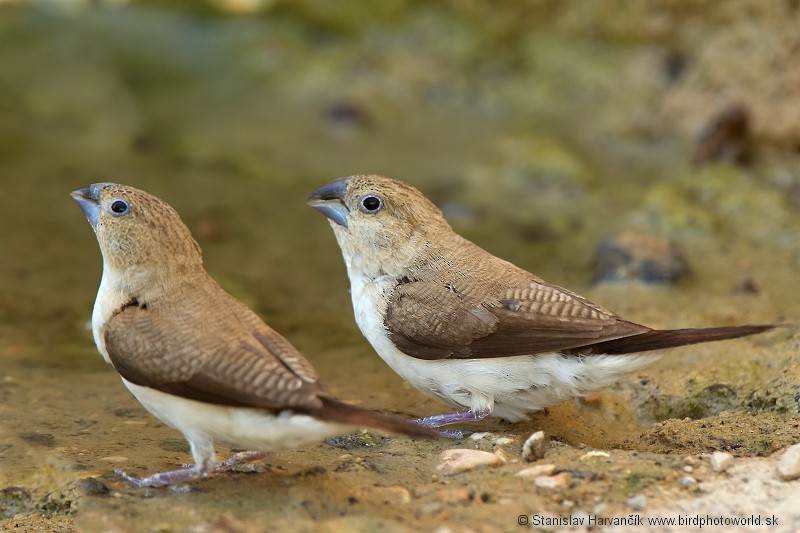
x=509, y=387
x=109, y=299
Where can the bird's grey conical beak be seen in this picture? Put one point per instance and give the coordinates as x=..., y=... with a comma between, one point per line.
x=88, y=200
x=329, y=200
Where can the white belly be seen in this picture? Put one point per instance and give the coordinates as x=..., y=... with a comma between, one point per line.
x=250, y=429
x=509, y=387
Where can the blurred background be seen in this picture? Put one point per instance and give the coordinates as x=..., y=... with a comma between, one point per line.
x=652, y=143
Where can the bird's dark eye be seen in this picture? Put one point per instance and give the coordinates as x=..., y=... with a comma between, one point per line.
x=119, y=207
x=371, y=203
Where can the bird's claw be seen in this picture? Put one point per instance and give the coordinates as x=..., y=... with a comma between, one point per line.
x=141, y=482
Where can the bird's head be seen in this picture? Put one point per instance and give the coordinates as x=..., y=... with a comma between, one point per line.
x=137, y=231
x=383, y=226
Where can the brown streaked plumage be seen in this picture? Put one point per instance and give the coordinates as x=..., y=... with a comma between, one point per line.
x=196, y=357
x=470, y=328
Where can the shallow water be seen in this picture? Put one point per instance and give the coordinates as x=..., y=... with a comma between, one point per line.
x=234, y=122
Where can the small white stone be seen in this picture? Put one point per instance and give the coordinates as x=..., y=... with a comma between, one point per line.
x=638, y=502
x=480, y=436
x=721, y=461
x=594, y=453
x=687, y=481
x=556, y=482
x=463, y=459
x=533, y=449
x=536, y=471
x=789, y=463
x=393, y=495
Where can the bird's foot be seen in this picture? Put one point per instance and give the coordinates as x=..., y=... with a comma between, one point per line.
x=241, y=462
x=446, y=419
x=162, y=479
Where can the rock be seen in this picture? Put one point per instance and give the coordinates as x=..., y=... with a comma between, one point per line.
x=594, y=453
x=557, y=482
x=462, y=459
x=348, y=115
x=533, y=449
x=15, y=501
x=395, y=495
x=687, y=481
x=642, y=257
x=494, y=439
x=430, y=508
x=93, y=487
x=501, y=455
x=721, y=461
x=789, y=463
x=638, y=502
x=536, y=471
x=114, y=459
x=725, y=138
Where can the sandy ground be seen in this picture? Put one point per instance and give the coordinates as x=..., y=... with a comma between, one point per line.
x=537, y=145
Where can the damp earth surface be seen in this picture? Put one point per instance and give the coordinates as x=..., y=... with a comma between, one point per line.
x=540, y=130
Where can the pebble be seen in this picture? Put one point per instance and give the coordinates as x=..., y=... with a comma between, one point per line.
x=536, y=471
x=637, y=256
x=114, y=459
x=395, y=495
x=430, y=508
x=687, y=481
x=495, y=440
x=502, y=455
x=721, y=461
x=93, y=487
x=533, y=449
x=557, y=482
x=638, y=502
x=594, y=453
x=463, y=459
x=789, y=463
x=726, y=137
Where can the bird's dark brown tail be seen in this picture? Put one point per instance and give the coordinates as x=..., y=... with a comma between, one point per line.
x=337, y=411
x=671, y=338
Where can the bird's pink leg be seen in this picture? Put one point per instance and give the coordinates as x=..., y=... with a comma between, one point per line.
x=237, y=462
x=162, y=479
x=203, y=453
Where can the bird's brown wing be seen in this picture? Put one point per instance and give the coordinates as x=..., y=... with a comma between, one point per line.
x=209, y=362
x=431, y=320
